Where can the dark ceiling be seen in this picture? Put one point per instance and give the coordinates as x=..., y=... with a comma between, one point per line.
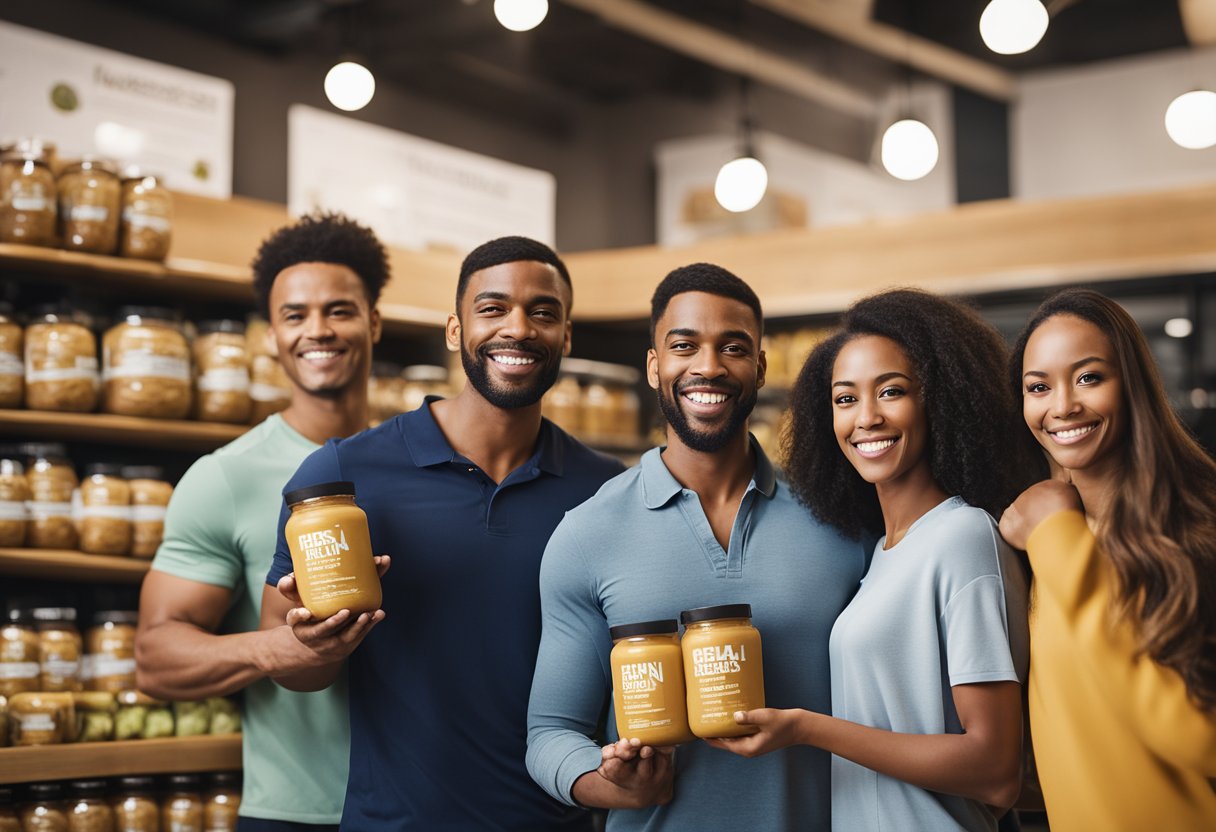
x=456, y=51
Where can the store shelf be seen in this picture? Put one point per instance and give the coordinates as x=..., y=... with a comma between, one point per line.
x=63, y=565
x=132, y=430
x=114, y=759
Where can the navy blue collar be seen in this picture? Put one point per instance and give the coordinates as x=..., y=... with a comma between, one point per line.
x=428, y=446
x=659, y=486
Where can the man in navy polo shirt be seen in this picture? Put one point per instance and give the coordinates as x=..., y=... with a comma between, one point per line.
x=463, y=493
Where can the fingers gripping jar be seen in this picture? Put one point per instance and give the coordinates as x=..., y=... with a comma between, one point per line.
x=146, y=365
x=648, y=683
x=331, y=550
x=722, y=668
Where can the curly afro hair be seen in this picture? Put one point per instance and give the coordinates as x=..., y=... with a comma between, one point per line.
x=321, y=238
x=508, y=250
x=973, y=419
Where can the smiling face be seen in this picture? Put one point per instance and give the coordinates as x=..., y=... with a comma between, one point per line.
x=1073, y=394
x=706, y=368
x=878, y=413
x=322, y=327
x=512, y=331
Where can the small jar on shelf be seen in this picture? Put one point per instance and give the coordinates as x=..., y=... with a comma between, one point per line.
x=44, y=809
x=422, y=380
x=150, y=495
x=222, y=802
x=60, y=361
x=40, y=718
x=20, y=653
x=28, y=198
x=105, y=511
x=221, y=362
x=12, y=359
x=14, y=496
x=146, y=365
x=182, y=807
x=90, y=202
x=52, y=480
x=110, y=651
x=135, y=806
x=88, y=807
x=562, y=404
x=147, y=217
x=269, y=386
x=385, y=391
x=60, y=649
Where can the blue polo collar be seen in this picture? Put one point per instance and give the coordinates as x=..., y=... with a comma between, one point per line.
x=428, y=446
x=659, y=486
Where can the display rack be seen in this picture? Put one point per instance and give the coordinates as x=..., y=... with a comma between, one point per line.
x=65, y=565
x=130, y=430
x=114, y=759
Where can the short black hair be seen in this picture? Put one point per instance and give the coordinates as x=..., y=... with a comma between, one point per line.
x=974, y=418
x=702, y=277
x=321, y=238
x=508, y=250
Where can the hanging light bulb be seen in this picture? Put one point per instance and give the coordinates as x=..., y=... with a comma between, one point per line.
x=520, y=15
x=349, y=86
x=741, y=184
x=909, y=149
x=1011, y=27
x=1191, y=119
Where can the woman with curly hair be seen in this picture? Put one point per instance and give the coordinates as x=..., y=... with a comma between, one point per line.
x=1122, y=543
x=901, y=428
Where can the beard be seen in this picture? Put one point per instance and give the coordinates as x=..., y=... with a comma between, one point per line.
x=525, y=393
x=706, y=442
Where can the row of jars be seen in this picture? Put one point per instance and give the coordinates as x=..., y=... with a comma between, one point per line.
x=148, y=366
x=394, y=389
x=114, y=510
x=86, y=205
x=176, y=803
x=42, y=649
x=598, y=409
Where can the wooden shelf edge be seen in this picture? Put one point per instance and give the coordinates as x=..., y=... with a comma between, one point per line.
x=105, y=427
x=63, y=565
x=113, y=759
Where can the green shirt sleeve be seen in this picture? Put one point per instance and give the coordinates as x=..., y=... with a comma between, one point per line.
x=200, y=542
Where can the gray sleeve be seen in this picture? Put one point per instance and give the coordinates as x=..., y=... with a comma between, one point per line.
x=977, y=634
x=573, y=677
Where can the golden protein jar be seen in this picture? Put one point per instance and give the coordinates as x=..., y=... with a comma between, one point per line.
x=60, y=648
x=182, y=807
x=648, y=683
x=14, y=497
x=20, y=654
x=221, y=363
x=723, y=668
x=150, y=496
x=60, y=361
x=88, y=807
x=135, y=807
x=12, y=359
x=222, y=802
x=109, y=647
x=146, y=365
x=146, y=228
x=105, y=511
x=28, y=199
x=331, y=550
x=52, y=481
x=90, y=201
x=39, y=718
x=44, y=810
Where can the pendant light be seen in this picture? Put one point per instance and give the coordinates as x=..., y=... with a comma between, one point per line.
x=742, y=182
x=1011, y=27
x=1190, y=120
x=349, y=85
x=521, y=15
x=909, y=149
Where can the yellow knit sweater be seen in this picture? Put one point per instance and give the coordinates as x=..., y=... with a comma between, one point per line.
x=1117, y=743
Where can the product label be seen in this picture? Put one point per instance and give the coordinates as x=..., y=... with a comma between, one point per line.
x=56, y=668
x=88, y=213
x=260, y=392
x=35, y=723
x=11, y=364
x=106, y=512
x=40, y=510
x=718, y=659
x=18, y=670
x=145, y=364
x=224, y=380
x=98, y=664
x=322, y=552
x=720, y=671
x=13, y=510
x=148, y=514
x=643, y=697
x=84, y=367
x=137, y=220
x=31, y=203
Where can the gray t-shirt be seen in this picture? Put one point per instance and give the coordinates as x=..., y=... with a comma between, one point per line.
x=945, y=606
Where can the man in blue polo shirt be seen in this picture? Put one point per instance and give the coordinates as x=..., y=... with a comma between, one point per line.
x=463, y=494
x=701, y=522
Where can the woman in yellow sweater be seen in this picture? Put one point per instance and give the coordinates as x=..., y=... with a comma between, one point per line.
x=1122, y=541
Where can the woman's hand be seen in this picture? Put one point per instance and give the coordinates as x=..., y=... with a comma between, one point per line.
x=777, y=729
x=1035, y=505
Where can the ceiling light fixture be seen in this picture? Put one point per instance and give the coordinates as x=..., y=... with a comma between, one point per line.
x=909, y=150
x=521, y=15
x=349, y=86
x=1190, y=119
x=1011, y=27
x=742, y=182
x=1179, y=327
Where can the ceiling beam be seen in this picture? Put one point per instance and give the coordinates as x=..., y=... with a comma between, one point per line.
x=898, y=45
x=713, y=47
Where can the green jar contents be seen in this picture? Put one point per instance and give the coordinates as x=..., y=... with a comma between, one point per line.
x=331, y=550
x=723, y=668
x=648, y=683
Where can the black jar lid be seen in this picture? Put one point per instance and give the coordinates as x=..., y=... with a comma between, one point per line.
x=138, y=784
x=115, y=617
x=54, y=614
x=152, y=313
x=221, y=325
x=103, y=469
x=143, y=472
x=44, y=791
x=325, y=489
x=662, y=627
x=223, y=779
x=716, y=612
x=184, y=782
x=89, y=788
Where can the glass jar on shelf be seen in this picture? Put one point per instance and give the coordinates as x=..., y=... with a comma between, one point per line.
x=269, y=386
x=44, y=809
x=221, y=362
x=146, y=365
x=597, y=414
x=110, y=651
x=150, y=495
x=59, y=649
x=14, y=496
x=135, y=806
x=88, y=807
x=90, y=202
x=52, y=480
x=12, y=358
x=41, y=718
x=60, y=361
x=105, y=511
x=182, y=806
x=422, y=380
x=20, y=653
x=28, y=198
x=147, y=217
x=562, y=404
x=385, y=391
x=222, y=802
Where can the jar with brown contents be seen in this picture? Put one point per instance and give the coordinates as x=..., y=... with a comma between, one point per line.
x=182, y=808
x=149, y=499
x=105, y=511
x=10, y=821
x=135, y=808
x=562, y=405
x=222, y=803
x=51, y=480
x=28, y=199
x=90, y=201
x=20, y=653
x=60, y=362
x=146, y=365
x=147, y=218
x=60, y=648
x=422, y=380
x=44, y=810
x=723, y=668
x=110, y=650
x=269, y=386
x=42, y=718
x=88, y=807
x=385, y=391
x=14, y=495
x=331, y=550
x=221, y=361
x=12, y=359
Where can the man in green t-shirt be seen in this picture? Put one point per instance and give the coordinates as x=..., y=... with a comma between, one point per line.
x=317, y=282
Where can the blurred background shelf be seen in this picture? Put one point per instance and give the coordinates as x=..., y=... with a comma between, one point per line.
x=113, y=759
x=64, y=565
x=103, y=427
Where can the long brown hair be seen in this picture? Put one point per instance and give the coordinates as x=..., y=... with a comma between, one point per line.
x=1160, y=531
